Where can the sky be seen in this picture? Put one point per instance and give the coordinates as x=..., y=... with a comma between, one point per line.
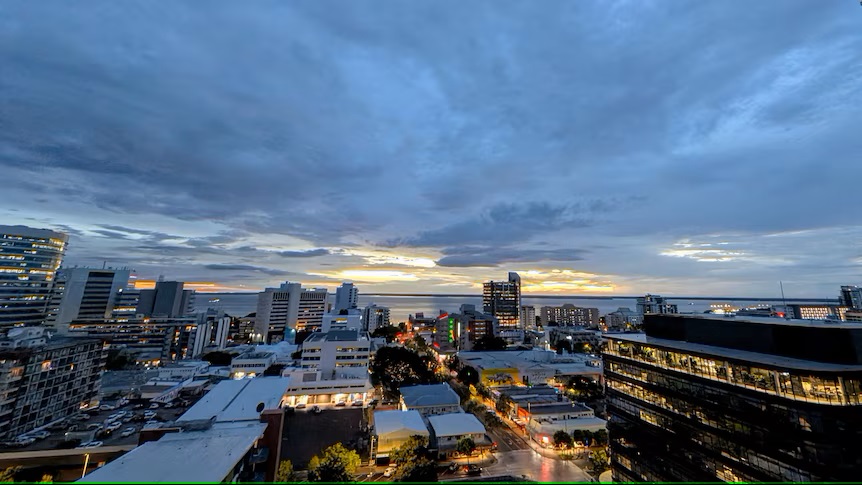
x=678, y=147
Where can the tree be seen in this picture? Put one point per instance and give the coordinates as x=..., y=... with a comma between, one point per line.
x=466, y=446
x=285, y=472
x=489, y=343
x=415, y=447
x=492, y=420
x=394, y=367
x=337, y=464
x=562, y=439
x=599, y=460
x=420, y=470
x=8, y=475
x=218, y=358
x=468, y=375
x=601, y=437
x=503, y=405
x=482, y=390
x=564, y=345
x=580, y=435
x=386, y=331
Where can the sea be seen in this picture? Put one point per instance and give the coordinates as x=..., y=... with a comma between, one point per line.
x=401, y=306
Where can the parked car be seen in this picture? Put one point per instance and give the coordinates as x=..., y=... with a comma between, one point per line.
x=107, y=407
x=127, y=432
x=151, y=423
x=90, y=444
x=113, y=426
x=169, y=405
x=474, y=470
x=300, y=405
x=154, y=405
x=357, y=403
x=138, y=406
x=25, y=440
x=389, y=472
x=341, y=404
x=149, y=414
x=39, y=435
x=93, y=426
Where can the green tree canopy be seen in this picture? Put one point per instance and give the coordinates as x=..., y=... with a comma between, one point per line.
x=394, y=367
x=336, y=464
x=420, y=470
x=600, y=461
x=285, y=472
x=503, y=405
x=490, y=342
x=386, y=331
x=465, y=446
x=468, y=375
x=415, y=447
x=601, y=437
x=562, y=439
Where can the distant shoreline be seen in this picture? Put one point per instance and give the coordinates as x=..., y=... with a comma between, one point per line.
x=573, y=297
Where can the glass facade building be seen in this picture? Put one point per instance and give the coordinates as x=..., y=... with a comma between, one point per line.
x=699, y=398
x=29, y=259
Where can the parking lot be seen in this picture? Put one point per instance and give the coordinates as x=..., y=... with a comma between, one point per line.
x=306, y=434
x=57, y=439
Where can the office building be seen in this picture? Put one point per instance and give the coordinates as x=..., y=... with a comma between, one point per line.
x=45, y=379
x=87, y=294
x=528, y=317
x=251, y=364
x=374, y=316
x=29, y=259
x=623, y=319
x=460, y=331
x=346, y=297
x=816, y=312
x=277, y=311
x=503, y=300
x=853, y=316
x=167, y=300
x=654, y=304
x=150, y=340
x=717, y=398
x=312, y=306
x=569, y=314
x=210, y=333
x=575, y=336
x=851, y=297
x=350, y=319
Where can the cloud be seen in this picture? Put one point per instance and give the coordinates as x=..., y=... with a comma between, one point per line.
x=247, y=267
x=490, y=256
x=310, y=253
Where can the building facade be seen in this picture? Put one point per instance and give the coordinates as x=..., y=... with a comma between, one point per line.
x=312, y=306
x=150, y=340
x=711, y=398
x=346, y=297
x=851, y=297
x=528, y=317
x=277, y=311
x=460, y=331
x=374, y=316
x=569, y=314
x=655, y=304
x=45, y=379
x=168, y=299
x=29, y=259
x=502, y=299
x=88, y=294
x=623, y=319
x=211, y=332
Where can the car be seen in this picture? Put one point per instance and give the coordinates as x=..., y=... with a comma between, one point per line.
x=127, y=432
x=389, y=472
x=138, y=406
x=39, y=435
x=84, y=417
x=24, y=440
x=474, y=470
x=154, y=405
x=169, y=405
x=93, y=426
x=149, y=414
x=90, y=444
x=113, y=426
x=127, y=419
x=151, y=423
x=357, y=403
x=107, y=407
x=72, y=428
x=316, y=410
x=124, y=401
x=115, y=416
x=300, y=405
x=453, y=467
x=341, y=404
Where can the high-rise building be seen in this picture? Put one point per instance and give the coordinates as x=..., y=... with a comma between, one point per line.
x=851, y=296
x=29, y=259
x=655, y=304
x=715, y=398
x=528, y=317
x=150, y=340
x=87, y=294
x=210, y=333
x=569, y=314
x=502, y=299
x=277, y=311
x=346, y=297
x=45, y=379
x=374, y=316
x=167, y=300
x=312, y=306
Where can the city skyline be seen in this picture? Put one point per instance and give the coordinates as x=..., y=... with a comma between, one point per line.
x=616, y=149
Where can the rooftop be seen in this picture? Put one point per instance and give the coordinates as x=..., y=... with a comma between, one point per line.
x=768, y=360
x=390, y=421
x=455, y=424
x=237, y=400
x=334, y=336
x=429, y=395
x=559, y=408
x=196, y=456
x=771, y=320
x=253, y=355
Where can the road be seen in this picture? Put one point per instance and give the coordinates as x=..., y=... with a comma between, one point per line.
x=507, y=440
x=535, y=467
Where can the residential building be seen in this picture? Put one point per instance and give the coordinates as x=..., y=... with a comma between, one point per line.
x=853, y=315
x=29, y=259
x=88, y=294
x=210, y=333
x=575, y=336
x=426, y=327
x=543, y=420
x=716, y=398
x=817, y=312
x=374, y=316
x=392, y=429
x=277, y=311
x=448, y=429
x=337, y=353
x=430, y=399
x=251, y=364
x=622, y=320
x=569, y=314
x=654, y=304
x=503, y=300
x=312, y=306
x=45, y=379
x=126, y=303
x=460, y=331
x=528, y=317
x=233, y=434
x=350, y=319
x=168, y=299
x=346, y=297
x=851, y=297
x=151, y=340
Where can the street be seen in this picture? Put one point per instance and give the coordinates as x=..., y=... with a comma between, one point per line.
x=507, y=440
x=535, y=467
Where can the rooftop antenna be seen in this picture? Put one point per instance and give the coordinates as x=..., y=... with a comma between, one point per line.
x=786, y=316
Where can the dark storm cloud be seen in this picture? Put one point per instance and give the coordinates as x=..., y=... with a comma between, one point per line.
x=489, y=256
x=304, y=254
x=434, y=124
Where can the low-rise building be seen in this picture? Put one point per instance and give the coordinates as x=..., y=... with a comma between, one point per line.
x=448, y=429
x=393, y=428
x=575, y=336
x=430, y=399
x=182, y=370
x=337, y=353
x=623, y=319
x=530, y=367
x=251, y=364
x=348, y=319
x=569, y=314
x=543, y=420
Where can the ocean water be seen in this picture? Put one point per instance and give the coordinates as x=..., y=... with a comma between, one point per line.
x=241, y=304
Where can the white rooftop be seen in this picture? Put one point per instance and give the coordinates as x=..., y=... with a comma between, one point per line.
x=237, y=400
x=386, y=422
x=455, y=424
x=196, y=456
